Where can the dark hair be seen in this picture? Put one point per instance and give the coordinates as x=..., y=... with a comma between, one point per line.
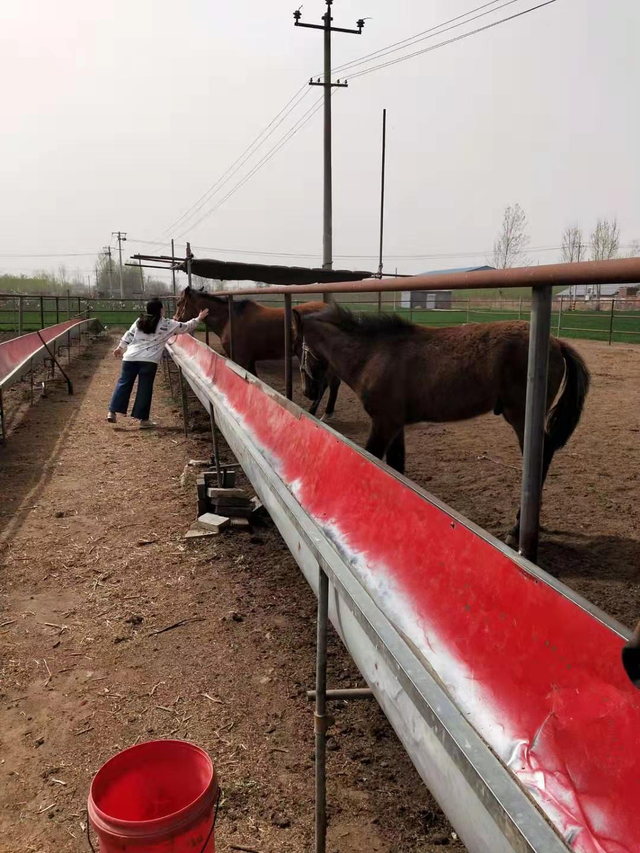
x=148, y=322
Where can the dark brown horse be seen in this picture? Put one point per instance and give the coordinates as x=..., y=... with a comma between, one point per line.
x=258, y=332
x=631, y=657
x=404, y=374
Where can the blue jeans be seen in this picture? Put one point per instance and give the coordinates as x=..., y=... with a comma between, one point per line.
x=145, y=371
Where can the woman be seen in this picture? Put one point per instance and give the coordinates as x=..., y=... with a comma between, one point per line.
x=144, y=344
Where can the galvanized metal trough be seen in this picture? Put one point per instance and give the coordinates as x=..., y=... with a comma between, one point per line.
x=505, y=688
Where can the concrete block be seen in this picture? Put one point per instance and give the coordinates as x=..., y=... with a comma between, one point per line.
x=216, y=523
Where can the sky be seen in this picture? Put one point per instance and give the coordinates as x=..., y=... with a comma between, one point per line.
x=120, y=115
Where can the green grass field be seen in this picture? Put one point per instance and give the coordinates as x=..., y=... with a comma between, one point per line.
x=585, y=325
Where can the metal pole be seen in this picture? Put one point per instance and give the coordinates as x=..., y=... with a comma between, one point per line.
x=69, y=347
x=468, y=307
x=2, y=424
x=320, y=718
x=141, y=277
x=173, y=272
x=384, y=157
x=68, y=304
x=185, y=403
x=31, y=382
x=57, y=309
x=327, y=213
x=520, y=309
x=42, y=312
x=216, y=448
x=79, y=306
x=559, y=318
x=613, y=306
x=230, y=301
x=535, y=417
x=288, y=365
x=189, y=256
x=20, y=315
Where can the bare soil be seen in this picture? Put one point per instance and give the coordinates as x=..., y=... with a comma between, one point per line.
x=92, y=520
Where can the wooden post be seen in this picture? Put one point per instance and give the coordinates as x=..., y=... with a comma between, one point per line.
x=321, y=721
x=216, y=448
x=288, y=355
x=559, y=318
x=613, y=307
x=535, y=417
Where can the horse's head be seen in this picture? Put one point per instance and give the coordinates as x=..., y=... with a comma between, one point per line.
x=186, y=306
x=313, y=368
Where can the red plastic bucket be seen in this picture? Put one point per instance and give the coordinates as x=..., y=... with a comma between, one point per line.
x=156, y=797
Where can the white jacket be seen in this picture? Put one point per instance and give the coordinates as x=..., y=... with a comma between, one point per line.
x=143, y=347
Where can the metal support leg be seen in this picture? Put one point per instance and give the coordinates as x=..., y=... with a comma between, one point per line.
x=348, y=693
x=321, y=721
x=216, y=448
x=206, y=335
x=288, y=354
x=185, y=404
x=31, y=381
x=3, y=432
x=68, y=347
x=53, y=360
x=535, y=417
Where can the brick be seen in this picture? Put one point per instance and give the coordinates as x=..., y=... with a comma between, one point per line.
x=216, y=523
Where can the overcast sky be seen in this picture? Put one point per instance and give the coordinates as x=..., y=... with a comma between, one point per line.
x=121, y=114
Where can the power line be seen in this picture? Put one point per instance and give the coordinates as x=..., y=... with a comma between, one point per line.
x=283, y=141
x=451, y=40
x=425, y=34
x=246, y=155
x=53, y=255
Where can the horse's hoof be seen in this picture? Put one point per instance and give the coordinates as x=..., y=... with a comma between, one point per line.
x=512, y=542
x=327, y=416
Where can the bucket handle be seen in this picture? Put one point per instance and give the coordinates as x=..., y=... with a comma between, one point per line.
x=204, y=846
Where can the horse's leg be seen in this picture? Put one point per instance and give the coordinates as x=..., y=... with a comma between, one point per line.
x=334, y=385
x=252, y=368
x=395, y=453
x=380, y=438
x=313, y=408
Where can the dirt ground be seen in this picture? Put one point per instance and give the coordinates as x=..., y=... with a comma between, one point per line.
x=92, y=520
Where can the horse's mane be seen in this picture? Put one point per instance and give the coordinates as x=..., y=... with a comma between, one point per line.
x=239, y=305
x=364, y=325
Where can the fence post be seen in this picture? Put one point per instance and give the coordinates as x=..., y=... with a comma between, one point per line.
x=321, y=722
x=535, y=417
x=560, y=318
x=20, y=315
x=288, y=372
x=613, y=306
x=468, y=311
x=520, y=309
x=42, y=312
x=57, y=309
x=68, y=304
x=79, y=306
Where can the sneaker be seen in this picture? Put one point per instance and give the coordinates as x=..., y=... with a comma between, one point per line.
x=111, y=417
x=148, y=424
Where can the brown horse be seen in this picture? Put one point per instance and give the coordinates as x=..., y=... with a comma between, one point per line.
x=404, y=374
x=258, y=332
x=631, y=657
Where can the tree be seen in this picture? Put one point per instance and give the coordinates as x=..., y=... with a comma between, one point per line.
x=605, y=240
x=634, y=249
x=574, y=249
x=509, y=248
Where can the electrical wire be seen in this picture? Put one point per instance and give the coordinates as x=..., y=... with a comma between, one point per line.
x=280, y=144
x=246, y=155
x=451, y=40
x=426, y=34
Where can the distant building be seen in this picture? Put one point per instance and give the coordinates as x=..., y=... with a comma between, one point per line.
x=589, y=292
x=434, y=299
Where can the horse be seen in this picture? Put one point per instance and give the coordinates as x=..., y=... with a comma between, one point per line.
x=404, y=374
x=631, y=657
x=258, y=333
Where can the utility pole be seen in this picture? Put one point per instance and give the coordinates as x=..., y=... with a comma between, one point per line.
x=107, y=251
x=384, y=156
x=141, y=276
x=327, y=223
x=121, y=236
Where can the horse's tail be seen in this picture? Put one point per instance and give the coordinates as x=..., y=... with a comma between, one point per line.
x=565, y=415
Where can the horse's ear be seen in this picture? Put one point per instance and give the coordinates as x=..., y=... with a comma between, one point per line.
x=187, y=289
x=201, y=289
x=297, y=323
